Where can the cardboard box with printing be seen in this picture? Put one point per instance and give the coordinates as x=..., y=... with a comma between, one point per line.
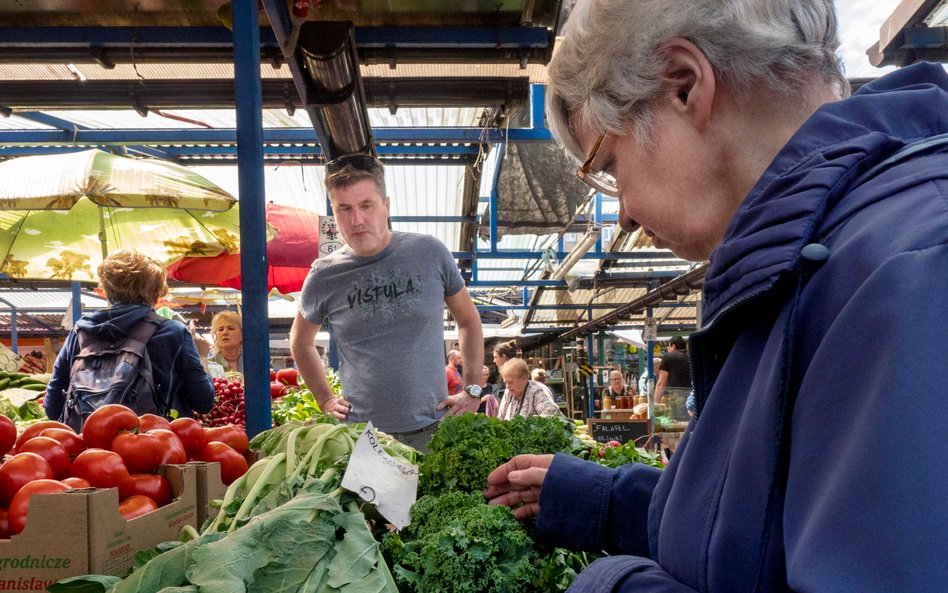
x=81, y=532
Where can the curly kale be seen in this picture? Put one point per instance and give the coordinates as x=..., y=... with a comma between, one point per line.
x=465, y=449
x=458, y=543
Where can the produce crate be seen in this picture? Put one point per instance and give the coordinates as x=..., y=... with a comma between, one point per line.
x=209, y=487
x=81, y=532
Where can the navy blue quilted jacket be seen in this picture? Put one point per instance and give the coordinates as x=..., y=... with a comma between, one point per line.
x=818, y=459
x=176, y=368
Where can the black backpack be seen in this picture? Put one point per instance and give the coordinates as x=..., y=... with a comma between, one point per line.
x=113, y=372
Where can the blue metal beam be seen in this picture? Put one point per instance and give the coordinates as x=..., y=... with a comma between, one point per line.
x=253, y=246
x=221, y=38
x=71, y=126
x=270, y=135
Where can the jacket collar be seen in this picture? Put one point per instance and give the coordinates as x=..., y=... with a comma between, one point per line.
x=785, y=208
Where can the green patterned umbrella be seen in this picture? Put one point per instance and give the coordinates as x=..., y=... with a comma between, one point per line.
x=61, y=214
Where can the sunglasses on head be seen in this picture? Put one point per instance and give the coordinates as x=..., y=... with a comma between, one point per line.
x=361, y=162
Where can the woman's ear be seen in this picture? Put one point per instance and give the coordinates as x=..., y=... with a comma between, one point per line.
x=690, y=80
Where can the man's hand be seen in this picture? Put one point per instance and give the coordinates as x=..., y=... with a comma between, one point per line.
x=337, y=407
x=517, y=484
x=460, y=403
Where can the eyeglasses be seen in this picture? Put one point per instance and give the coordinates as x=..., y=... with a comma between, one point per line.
x=598, y=180
x=361, y=162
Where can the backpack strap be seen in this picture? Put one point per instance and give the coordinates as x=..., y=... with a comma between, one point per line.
x=146, y=327
x=142, y=331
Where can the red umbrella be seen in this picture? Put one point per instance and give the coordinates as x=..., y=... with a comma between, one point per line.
x=289, y=254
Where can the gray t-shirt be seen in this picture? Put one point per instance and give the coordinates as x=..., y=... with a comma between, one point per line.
x=387, y=314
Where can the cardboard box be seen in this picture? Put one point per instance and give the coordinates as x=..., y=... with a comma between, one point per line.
x=81, y=532
x=209, y=487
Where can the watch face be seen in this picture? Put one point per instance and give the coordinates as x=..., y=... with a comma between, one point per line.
x=474, y=390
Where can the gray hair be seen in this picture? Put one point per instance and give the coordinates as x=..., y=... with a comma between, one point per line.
x=607, y=69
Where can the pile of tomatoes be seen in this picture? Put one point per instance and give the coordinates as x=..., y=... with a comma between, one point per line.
x=228, y=404
x=116, y=449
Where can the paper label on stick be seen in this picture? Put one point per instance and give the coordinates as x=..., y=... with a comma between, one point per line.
x=380, y=479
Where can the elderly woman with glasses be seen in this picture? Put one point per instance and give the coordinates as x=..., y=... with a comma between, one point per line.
x=725, y=129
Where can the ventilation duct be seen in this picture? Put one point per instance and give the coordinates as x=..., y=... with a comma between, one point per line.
x=334, y=85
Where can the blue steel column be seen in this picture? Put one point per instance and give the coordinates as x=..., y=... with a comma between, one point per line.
x=493, y=199
x=13, y=336
x=253, y=248
x=333, y=353
x=589, y=380
x=76, y=301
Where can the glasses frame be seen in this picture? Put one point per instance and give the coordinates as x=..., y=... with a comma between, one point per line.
x=357, y=160
x=592, y=178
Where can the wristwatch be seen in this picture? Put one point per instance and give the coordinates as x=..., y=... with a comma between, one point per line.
x=473, y=390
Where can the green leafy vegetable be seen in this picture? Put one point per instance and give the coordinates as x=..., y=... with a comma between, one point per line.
x=457, y=543
x=466, y=448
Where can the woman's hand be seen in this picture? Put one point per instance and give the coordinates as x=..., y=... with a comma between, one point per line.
x=517, y=484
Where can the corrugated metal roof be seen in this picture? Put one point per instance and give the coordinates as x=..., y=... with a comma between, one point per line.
x=24, y=300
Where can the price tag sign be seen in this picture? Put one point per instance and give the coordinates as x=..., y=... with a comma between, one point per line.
x=329, y=237
x=381, y=480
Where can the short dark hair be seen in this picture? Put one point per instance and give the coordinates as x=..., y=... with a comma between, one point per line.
x=350, y=169
x=678, y=342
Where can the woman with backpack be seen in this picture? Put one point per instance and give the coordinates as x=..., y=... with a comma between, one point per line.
x=103, y=362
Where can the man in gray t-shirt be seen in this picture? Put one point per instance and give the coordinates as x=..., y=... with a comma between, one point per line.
x=384, y=295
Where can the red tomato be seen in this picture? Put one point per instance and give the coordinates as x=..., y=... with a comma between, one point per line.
x=151, y=422
x=7, y=435
x=4, y=525
x=71, y=442
x=52, y=451
x=277, y=389
x=233, y=464
x=19, y=470
x=229, y=434
x=273, y=375
x=191, y=434
x=101, y=468
x=172, y=449
x=136, y=506
x=34, y=429
x=21, y=502
x=74, y=482
x=102, y=425
x=154, y=486
x=141, y=452
x=288, y=376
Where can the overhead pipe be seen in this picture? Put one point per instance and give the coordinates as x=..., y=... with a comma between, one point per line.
x=334, y=86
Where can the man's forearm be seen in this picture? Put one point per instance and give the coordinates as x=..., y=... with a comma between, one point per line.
x=471, y=338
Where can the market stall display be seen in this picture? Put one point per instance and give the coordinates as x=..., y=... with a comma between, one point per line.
x=288, y=526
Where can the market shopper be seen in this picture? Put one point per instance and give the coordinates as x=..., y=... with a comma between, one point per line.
x=228, y=347
x=524, y=396
x=383, y=294
x=503, y=352
x=674, y=372
x=453, y=374
x=133, y=283
x=489, y=401
x=722, y=128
